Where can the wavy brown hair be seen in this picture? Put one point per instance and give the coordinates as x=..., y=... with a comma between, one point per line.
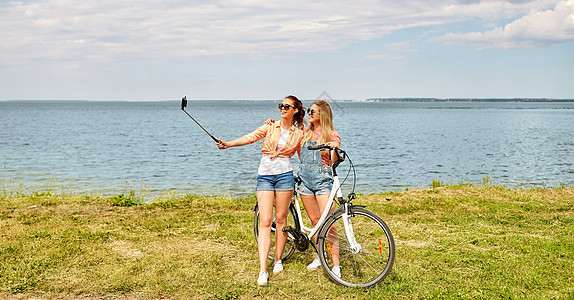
x=299, y=117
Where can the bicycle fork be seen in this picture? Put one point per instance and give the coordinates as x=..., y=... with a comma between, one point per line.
x=354, y=246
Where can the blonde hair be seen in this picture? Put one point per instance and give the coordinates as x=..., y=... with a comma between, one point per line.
x=326, y=118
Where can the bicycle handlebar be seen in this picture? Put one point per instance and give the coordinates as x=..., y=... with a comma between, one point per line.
x=338, y=152
x=341, y=156
x=321, y=147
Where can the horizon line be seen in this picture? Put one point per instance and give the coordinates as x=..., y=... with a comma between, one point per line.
x=373, y=99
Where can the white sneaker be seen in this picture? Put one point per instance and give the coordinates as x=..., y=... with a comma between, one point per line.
x=263, y=278
x=277, y=267
x=337, y=271
x=315, y=264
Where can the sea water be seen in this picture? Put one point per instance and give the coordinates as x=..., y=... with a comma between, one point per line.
x=110, y=147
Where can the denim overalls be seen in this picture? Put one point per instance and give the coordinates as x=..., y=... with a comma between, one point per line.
x=316, y=179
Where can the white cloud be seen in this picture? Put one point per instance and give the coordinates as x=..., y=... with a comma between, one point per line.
x=539, y=28
x=401, y=47
x=149, y=31
x=391, y=59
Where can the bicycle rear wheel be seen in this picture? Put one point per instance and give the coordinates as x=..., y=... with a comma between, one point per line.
x=359, y=268
x=290, y=244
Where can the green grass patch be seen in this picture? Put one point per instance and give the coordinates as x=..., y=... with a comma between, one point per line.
x=453, y=242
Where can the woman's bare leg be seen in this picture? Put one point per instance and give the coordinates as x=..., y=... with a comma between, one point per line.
x=265, y=202
x=283, y=199
x=312, y=208
x=322, y=200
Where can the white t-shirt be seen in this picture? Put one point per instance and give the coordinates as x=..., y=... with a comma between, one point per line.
x=278, y=165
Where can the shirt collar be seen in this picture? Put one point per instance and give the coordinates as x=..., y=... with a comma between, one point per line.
x=277, y=124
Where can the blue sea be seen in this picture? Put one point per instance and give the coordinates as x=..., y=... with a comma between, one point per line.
x=155, y=149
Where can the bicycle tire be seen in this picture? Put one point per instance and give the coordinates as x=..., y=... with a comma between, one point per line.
x=372, y=263
x=292, y=221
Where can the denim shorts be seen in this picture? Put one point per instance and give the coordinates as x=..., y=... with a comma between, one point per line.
x=314, y=182
x=280, y=182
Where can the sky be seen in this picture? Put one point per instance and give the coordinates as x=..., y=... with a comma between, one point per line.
x=254, y=50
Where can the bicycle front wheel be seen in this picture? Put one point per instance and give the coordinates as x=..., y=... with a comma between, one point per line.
x=362, y=266
x=292, y=220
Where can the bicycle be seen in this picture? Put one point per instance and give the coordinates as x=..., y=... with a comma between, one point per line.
x=366, y=246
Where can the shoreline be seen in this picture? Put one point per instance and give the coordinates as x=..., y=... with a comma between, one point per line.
x=143, y=194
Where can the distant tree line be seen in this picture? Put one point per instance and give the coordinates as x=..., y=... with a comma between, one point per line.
x=470, y=99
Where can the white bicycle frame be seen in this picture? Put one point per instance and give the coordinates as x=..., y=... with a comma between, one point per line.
x=335, y=192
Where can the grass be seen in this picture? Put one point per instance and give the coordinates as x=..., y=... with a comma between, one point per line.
x=453, y=242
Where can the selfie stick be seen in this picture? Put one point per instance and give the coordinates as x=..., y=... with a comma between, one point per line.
x=183, y=106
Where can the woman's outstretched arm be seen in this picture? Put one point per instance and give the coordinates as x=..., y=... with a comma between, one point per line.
x=235, y=143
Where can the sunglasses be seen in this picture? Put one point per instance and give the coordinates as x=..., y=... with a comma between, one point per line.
x=285, y=106
x=311, y=112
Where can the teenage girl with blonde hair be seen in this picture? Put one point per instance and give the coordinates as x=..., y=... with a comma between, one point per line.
x=315, y=171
